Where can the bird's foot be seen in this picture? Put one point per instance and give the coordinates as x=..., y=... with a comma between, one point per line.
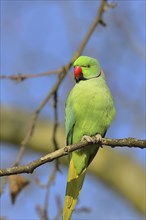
x=87, y=138
x=98, y=137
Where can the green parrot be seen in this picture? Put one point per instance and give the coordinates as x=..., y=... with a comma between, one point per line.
x=89, y=111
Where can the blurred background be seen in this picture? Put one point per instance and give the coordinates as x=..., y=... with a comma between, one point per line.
x=37, y=36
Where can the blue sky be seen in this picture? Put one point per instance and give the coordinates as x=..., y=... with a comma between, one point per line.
x=37, y=36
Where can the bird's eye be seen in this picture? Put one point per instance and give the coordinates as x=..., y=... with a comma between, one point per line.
x=88, y=66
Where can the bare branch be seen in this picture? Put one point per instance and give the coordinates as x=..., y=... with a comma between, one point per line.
x=20, y=77
x=30, y=167
x=55, y=126
x=43, y=211
x=97, y=20
x=125, y=142
x=34, y=119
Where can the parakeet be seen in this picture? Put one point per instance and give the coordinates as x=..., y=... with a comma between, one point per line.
x=89, y=111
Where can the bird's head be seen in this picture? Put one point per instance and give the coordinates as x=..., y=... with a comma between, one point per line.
x=86, y=68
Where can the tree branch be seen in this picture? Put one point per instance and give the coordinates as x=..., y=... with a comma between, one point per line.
x=31, y=128
x=30, y=167
x=21, y=77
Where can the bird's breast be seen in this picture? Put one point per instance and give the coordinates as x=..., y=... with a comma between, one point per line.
x=93, y=105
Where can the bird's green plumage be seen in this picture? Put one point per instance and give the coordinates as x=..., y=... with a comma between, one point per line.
x=89, y=111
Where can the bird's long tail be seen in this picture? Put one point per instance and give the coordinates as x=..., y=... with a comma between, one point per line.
x=73, y=188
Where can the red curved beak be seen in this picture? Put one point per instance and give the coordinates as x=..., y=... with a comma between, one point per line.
x=77, y=71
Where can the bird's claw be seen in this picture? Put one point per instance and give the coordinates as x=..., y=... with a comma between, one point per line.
x=89, y=139
x=98, y=137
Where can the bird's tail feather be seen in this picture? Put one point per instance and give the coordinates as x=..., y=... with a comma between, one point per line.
x=73, y=188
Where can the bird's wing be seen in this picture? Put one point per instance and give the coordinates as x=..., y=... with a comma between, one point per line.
x=70, y=121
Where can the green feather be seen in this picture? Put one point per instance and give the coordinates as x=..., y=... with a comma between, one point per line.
x=89, y=111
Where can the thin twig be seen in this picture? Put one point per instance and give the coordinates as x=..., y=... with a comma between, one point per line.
x=55, y=127
x=50, y=183
x=29, y=168
x=59, y=207
x=34, y=119
x=21, y=77
x=96, y=21
x=43, y=211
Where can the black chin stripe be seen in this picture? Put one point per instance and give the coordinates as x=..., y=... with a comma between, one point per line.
x=83, y=78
